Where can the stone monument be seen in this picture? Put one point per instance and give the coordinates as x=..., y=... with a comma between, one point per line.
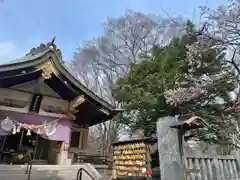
x=170, y=133
x=171, y=167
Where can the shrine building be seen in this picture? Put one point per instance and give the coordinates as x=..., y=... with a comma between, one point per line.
x=44, y=109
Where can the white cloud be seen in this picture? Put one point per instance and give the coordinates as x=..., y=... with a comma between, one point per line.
x=8, y=52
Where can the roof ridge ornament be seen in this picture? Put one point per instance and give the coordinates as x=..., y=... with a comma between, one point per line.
x=43, y=47
x=53, y=40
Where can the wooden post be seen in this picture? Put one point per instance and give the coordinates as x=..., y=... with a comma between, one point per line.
x=61, y=146
x=3, y=143
x=85, y=139
x=36, y=146
x=21, y=139
x=62, y=156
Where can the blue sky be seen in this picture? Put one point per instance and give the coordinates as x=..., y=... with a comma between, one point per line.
x=27, y=23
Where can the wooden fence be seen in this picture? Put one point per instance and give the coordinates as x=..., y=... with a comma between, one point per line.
x=211, y=168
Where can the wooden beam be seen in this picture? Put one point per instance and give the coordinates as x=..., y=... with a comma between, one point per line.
x=25, y=111
x=79, y=129
x=77, y=101
x=105, y=111
x=22, y=84
x=58, y=115
x=73, y=104
x=14, y=109
x=15, y=95
x=27, y=97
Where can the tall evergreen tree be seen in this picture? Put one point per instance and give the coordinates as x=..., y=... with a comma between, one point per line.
x=155, y=87
x=142, y=91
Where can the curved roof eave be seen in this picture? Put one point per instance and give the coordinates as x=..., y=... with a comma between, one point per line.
x=78, y=84
x=33, y=60
x=25, y=62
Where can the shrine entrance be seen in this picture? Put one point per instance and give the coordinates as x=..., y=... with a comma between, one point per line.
x=31, y=135
x=34, y=144
x=44, y=108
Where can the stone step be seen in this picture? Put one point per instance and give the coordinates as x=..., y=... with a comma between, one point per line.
x=49, y=166
x=42, y=172
x=37, y=176
x=22, y=171
x=37, y=169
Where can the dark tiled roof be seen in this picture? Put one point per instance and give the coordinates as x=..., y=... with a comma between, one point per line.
x=41, y=51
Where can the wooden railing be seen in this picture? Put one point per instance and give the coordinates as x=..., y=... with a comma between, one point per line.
x=80, y=174
x=29, y=170
x=29, y=167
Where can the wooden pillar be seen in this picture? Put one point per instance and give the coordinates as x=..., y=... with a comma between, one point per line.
x=61, y=146
x=62, y=155
x=85, y=139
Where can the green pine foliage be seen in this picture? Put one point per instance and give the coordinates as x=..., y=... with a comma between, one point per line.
x=141, y=92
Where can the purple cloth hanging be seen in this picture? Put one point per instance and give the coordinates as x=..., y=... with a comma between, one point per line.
x=63, y=128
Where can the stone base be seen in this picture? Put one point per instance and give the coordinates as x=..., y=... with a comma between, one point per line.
x=62, y=158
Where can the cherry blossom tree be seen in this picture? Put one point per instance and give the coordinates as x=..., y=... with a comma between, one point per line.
x=219, y=33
